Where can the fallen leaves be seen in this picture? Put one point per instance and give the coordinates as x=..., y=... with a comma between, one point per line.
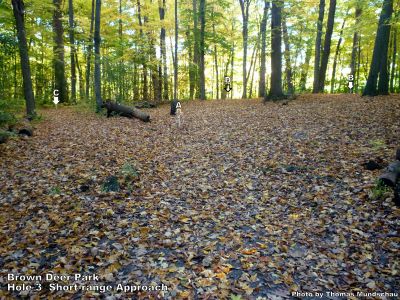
x=251, y=200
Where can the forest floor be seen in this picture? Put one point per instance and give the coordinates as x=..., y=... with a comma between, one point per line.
x=249, y=199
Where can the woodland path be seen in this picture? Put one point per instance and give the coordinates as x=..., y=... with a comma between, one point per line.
x=247, y=199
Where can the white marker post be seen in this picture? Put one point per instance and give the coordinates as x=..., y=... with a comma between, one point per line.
x=55, y=97
x=178, y=114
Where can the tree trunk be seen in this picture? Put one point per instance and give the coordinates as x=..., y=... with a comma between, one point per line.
x=59, y=63
x=202, y=49
x=288, y=68
x=379, y=57
x=89, y=52
x=80, y=76
x=244, y=6
x=276, y=53
x=232, y=66
x=327, y=45
x=176, y=53
x=196, y=50
x=73, y=50
x=163, y=52
x=215, y=57
x=97, y=74
x=18, y=9
x=355, y=47
x=306, y=66
x=394, y=53
x=336, y=57
x=263, y=29
x=125, y=111
x=318, y=39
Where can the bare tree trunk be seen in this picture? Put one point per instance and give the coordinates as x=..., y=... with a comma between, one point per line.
x=355, y=48
x=318, y=40
x=18, y=9
x=336, y=57
x=276, y=53
x=379, y=56
x=327, y=46
x=244, y=6
x=73, y=50
x=263, y=29
x=59, y=63
x=97, y=71
x=163, y=52
x=288, y=68
x=89, y=52
x=215, y=58
x=176, y=53
x=394, y=53
x=306, y=66
x=80, y=76
x=202, y=49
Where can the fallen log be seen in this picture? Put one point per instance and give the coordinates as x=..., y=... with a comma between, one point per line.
x=391, y=174
x=125, y=111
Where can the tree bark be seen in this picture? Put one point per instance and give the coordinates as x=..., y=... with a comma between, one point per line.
x=327, y=46
x=355, y=47
x=288, y=67
x=97, y=71
x=215, y=57
x=125, y=111
x=244, y=6
x=176, y=53
x=73, y=50
x=59, y=63
x=163, y=52
x=394, y=53
x=379, y=57
x=318, y=39
x=276, y=53
x=202, y=49
x=18, y=9
x=336, y=57
x=306, y=66
x=263, y=29
x=89, y=51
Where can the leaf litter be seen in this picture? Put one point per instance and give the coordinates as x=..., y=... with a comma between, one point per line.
x=246, y=200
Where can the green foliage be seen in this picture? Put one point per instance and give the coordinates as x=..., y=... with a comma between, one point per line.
x=379, y=190
x=111, y=184
x=129, y=171
x=378, y=144
x=6, y=119
x=55, y=190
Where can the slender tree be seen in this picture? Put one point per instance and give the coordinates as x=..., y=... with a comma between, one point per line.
x=89, y=51
x=288, y=66
x=19, y=10
x=202, y=49
x=378, y=66
x=97, y=71
x=355, y=48
x=59, y=63
x=327, y=46
x=73, y=49
x=276, y=53
x=394, y=53
x=336, y=58
x=163, y=51
x=244, y=6
x=318, y=39
x=263, y=29
x=306, y=65
x=176, y=53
